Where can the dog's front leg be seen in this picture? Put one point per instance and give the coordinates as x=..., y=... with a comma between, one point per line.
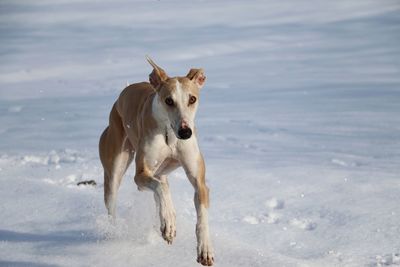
x=195, y=170
x=145, y=180
x=205, y=252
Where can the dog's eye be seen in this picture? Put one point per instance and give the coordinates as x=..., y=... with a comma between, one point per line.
x=192, y=100
x=169, y=101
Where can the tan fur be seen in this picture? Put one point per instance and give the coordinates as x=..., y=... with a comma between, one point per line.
x=142, y=123
x=201, y=184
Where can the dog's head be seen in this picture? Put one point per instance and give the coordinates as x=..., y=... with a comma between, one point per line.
x=179, y=97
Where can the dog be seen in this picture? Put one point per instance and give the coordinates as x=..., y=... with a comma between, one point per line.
x=153, y=124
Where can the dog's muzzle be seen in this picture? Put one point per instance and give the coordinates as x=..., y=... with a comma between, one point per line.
x=184, y=133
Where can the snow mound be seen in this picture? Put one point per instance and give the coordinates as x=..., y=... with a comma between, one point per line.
x=52, y=158
x=304, y=224
x=271, y=218
x=251, y=219
x=275, y=203
x=388, y=259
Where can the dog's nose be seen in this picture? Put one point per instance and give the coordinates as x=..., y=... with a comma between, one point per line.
x=184, y=133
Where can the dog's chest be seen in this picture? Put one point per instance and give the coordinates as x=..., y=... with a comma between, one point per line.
x=161, y=150
x=170, y=138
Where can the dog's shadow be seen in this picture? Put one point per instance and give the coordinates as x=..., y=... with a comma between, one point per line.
x=60, y=237
x=24, y=264
x=45, y=241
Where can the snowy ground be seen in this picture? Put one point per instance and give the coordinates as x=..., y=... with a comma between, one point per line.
x=299, y=123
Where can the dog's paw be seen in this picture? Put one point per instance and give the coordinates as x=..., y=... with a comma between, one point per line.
x=205, y=255
x=168, y=227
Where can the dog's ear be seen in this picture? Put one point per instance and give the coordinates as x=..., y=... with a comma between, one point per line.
x=197, y=76
x=158, y=75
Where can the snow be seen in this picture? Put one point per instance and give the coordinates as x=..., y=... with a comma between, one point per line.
x=298, y=122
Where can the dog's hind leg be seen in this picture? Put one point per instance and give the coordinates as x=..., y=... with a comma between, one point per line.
x=120, y=164
x=116, y=154
x=113, y=176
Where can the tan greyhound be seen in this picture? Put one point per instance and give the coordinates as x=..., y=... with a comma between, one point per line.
x=156, y=120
